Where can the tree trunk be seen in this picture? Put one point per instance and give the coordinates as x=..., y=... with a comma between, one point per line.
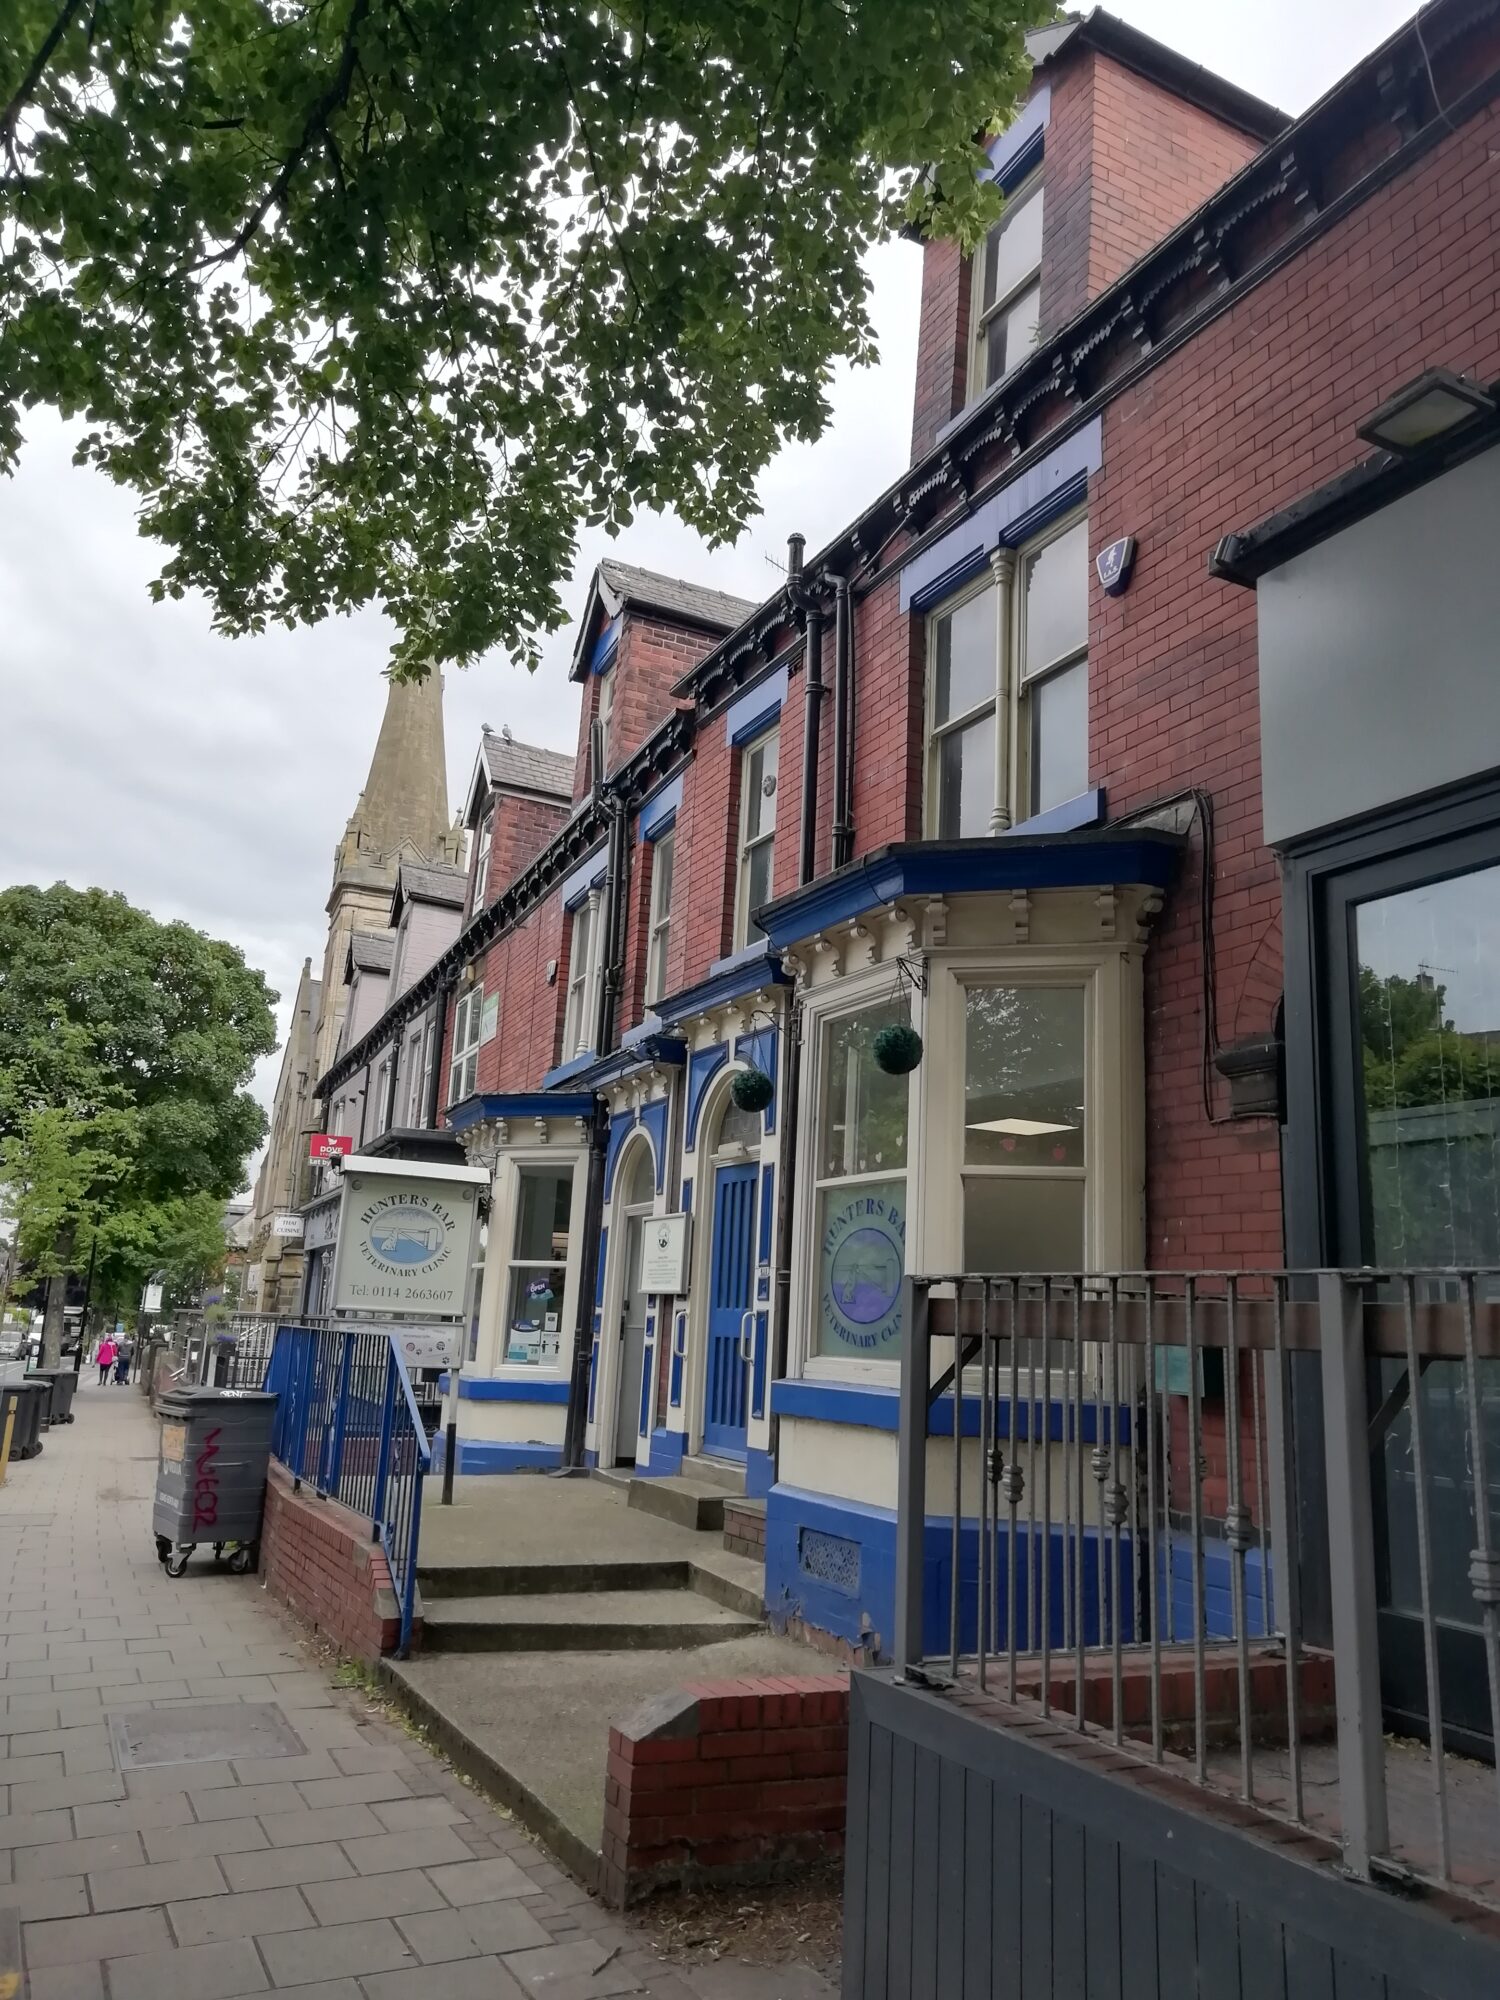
x=52, y=1325
x=57, y=1297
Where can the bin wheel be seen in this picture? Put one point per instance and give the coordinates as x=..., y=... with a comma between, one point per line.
x=177, y=1562
x=163, y=1548
x=242, y=1559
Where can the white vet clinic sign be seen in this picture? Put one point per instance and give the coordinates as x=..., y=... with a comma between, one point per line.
x=405, y=1244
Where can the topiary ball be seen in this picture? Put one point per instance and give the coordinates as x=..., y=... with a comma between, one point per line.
x=897, y=1049
x=752, y=1090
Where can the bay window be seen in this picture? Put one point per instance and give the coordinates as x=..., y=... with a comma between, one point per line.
x=536, y=1277
x=1007, y=307
x=859, y=1203
x=758, y=778
x=661, y=918
x=1007, y=679
x=1023, y=1175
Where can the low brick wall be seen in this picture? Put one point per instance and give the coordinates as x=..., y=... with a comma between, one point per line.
x=317, y=1557
x=738, y=1780
x=745, y=1528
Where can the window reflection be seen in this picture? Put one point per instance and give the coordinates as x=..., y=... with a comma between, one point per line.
x=1429, y=1055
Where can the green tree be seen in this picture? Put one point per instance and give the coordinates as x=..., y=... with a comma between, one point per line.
x=378, y=299
x=125, y=1049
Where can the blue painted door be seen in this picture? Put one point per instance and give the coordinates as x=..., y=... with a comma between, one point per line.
x=730, y=1291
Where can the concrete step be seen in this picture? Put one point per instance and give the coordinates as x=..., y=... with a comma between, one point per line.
x=532, y=1729
x=441, y=1582
x=691, y=1503
x=593, y=1621
x=727, y=1473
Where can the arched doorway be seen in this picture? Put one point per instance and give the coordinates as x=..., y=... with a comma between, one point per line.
x=635, y=1194
x=731, y=1279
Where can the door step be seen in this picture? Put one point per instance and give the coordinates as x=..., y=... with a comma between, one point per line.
x=598, y=1621
x=691, y=1503
x=726, y=1473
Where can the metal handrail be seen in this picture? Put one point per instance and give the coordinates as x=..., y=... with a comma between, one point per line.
x=1116, y=1454
x=348, y=1424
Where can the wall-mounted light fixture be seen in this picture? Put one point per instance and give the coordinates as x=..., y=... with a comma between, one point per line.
x=1426, y=411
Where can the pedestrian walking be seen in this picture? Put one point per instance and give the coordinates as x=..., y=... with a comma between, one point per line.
x=122, y=1361
x=106, y=1357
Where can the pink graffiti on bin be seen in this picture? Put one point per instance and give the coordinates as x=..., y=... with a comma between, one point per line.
x=206, y=1481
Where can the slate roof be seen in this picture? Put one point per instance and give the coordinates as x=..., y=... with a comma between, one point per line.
x=372, y=951
x=526, y=767
x=432, y=883
x=678, y=599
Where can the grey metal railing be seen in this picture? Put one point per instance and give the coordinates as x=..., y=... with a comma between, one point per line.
x=1099, y=1508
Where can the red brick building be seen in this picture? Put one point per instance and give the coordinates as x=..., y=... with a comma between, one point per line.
x=995, y=765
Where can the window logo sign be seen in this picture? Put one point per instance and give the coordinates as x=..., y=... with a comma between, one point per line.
x=404, y=1246
x=861, y=1262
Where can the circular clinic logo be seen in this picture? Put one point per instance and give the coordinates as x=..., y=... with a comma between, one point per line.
x=407, y=1236
x=865, y=1275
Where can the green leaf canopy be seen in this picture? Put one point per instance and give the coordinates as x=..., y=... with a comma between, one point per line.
x=380, y=299
x=126, y=1046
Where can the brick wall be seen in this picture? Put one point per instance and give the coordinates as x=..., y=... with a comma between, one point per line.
x=942, y=343
x=1126, y=162
x=1257, y=409
x=515, y=966
x=522, y=829
x=740, y=1780
x=704, y=874
x=318, y=1559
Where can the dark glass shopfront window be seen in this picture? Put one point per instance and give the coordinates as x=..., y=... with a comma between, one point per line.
x=1428, y=972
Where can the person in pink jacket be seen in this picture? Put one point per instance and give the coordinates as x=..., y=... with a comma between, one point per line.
x=106, y=1357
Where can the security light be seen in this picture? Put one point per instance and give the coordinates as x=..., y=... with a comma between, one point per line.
x=1426, y=411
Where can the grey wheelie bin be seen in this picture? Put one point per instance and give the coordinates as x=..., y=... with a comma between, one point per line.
x=211, y=1474
x=63, y=1384
x=30, y=1399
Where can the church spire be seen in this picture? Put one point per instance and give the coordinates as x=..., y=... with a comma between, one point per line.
x=405, y=798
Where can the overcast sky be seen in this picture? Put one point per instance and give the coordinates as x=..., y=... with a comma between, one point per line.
x=209, y=778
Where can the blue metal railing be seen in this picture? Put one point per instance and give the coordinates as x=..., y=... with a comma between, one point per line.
x=347, y=1424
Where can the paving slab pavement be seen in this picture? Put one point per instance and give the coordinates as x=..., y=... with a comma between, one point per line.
x=356, y=1867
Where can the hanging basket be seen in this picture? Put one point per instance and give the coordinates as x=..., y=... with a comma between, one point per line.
x=897, y=1049
x=752, y=1090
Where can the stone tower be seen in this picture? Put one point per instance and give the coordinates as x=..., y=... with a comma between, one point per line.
x=402, y=812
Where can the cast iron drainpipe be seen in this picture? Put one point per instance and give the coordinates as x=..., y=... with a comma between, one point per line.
x=843, y=747
x=812, y=718
x=575, y=1427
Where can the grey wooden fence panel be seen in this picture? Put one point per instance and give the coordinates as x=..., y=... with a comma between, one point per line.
x=1263, y=1958
x=1036, y=1896
x=903, y=1853
x=926, y=1816
x=857, y=1849
x=1101, y=1914
x=983, y=1864
x=1138, y=1957
x=950, y=1859
x=979, y=1880
x=1069, y=1937
x=1006, y=1824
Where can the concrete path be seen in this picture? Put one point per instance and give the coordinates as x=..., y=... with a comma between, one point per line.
x=152, y=1846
